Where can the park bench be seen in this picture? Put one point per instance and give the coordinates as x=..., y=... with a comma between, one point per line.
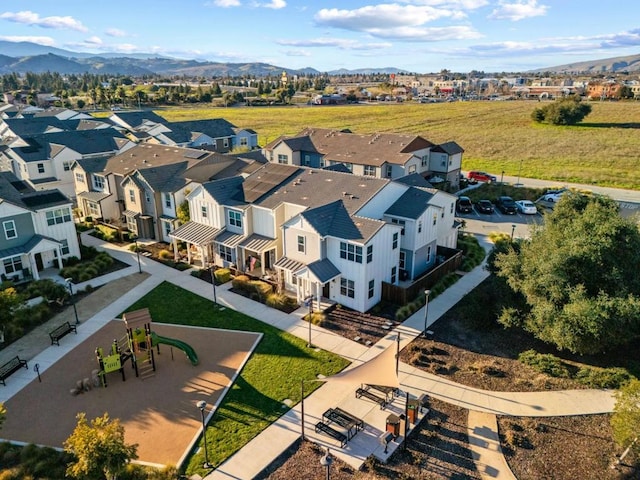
x=332, y=432
x=361, y=392
x=388, y=391
x=10, y=367
x=331, y=416
x=57, y=333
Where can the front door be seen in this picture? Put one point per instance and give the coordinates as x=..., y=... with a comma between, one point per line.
x=39, y=264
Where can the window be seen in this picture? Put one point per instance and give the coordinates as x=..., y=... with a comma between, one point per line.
x=425, y=160
x=394, y=274
x=147, y=196
x=235, y=219
x=403, y=256
x=412, y=169
x=369, y=171
x=132, y=195
x=79, y=177
x=94, y=211
x=225, y=142
x=12, y=264
x=322, y=164
x=98, y=182
x=435, y=218
x=244, y=141
x=399, y=222
x=302, y=248
x=167, y=200
x=64, y=248
x=61, y=215
x=369, y=253
x=10, y=229
x=429, y=254
x=419, y=226
x=372, y=288
x=66, y=166
x=349, y=166
x=167, y=228
x=41, y=168
x=307, y=160
x=451, y=209
x=225, y=253
x=389, y=170
x=283, y=158
x=203, y=211
x=351, y=252
x=347, y=288
x=395, y=240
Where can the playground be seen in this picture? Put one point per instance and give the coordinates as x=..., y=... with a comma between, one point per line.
x=158, y=410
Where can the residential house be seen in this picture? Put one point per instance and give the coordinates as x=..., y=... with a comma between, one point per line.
x=141, y=189
x=36, y=229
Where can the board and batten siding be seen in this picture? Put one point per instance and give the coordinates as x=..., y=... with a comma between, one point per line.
x=299, y=227
x=264, y=221
x=383, y=199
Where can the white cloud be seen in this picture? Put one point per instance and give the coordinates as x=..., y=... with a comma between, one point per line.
x=296, y=53
x=47, y=41
x=224, y=3
x=340, y=43
x=518, y=10
x=275, y=4
x=30, y=18
x=115, y=32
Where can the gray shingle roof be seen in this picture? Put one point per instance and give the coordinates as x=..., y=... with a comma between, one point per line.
x=15, y=192
x=411, y=203
x=227, y=191
x=135, y=119
x=333, y=219
x=182, y=132
x=414, y=180
x=324, y=270
x=450, y=148
x=85, y=142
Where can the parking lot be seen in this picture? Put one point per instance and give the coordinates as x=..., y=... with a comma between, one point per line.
x=484, y=224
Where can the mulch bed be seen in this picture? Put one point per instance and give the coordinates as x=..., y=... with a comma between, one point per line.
x=351, y=324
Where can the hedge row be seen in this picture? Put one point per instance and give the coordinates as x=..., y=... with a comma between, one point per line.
x=88, y=270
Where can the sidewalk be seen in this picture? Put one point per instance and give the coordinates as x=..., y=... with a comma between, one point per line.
x=274, y=440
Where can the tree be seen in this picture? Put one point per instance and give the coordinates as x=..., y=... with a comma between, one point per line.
x=578, y=275
x=626, y=416
x=183, y=212
x=564, y=111
x=99, y=448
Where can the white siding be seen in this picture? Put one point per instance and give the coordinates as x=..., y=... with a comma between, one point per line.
x=59, y=231
x=386, y=197
x=299, y=227
x=263, y=222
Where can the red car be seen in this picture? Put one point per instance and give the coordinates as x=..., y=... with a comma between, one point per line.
x=475, y=176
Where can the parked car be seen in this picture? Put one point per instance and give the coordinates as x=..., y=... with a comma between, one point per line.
x=527, y=207
x=464, y=205
x=484, y=206
x=476, y=176
x=507, y=205
x=553, y=196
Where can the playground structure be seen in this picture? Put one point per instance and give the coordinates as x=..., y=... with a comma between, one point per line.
x=137, y=346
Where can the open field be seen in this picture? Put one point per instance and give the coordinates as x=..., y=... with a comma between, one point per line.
x=496, y=136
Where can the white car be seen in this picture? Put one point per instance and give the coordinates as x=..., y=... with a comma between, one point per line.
x=553, y=196
x=527, y=207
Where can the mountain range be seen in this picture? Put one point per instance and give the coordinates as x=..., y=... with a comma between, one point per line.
x=22, y=57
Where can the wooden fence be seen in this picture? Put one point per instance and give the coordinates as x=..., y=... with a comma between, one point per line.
x=399, y=295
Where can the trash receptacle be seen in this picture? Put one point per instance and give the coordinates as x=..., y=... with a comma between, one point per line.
x=412, y=409
x=393, y=425
x=403, y=425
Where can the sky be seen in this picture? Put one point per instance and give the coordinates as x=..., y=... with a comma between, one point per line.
x=420, y=36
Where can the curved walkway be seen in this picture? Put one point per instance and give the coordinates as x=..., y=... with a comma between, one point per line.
x=261, y=451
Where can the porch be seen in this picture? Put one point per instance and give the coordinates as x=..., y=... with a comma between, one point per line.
x=24, y=263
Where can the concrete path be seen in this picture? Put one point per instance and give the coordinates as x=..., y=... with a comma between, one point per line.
x=484, y=443
x=274, y=440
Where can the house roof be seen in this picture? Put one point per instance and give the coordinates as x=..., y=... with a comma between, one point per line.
x=135, y=119
x=226, y=191
x=17, y=193
x=412, y=203
x=333, y=220
x=44, y=199
x=11, y=188
x=230, y=239
x=362, y=149
x=26, y=247
x=323, y=270
x=266, y=179
x=94, y=196
x=149, y=155
x=258, y=243
x=414, y=180
x=93, y=164
x=289, y=264
x=196, y=233
x=450, y=148
x=183, y=132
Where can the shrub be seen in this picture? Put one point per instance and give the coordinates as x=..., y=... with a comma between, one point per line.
x=403, y=313
x=165, y=254
x=88, y=252
x=318, y=318
x=261, y=288
x=109, y=234
x=614, y=377
x=70, y=261
x=545, y=363
x=281, y=301
x=222, y=275
x=241, y=282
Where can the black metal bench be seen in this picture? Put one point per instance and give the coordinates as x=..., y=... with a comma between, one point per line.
x=361, y=392
x=57, y=333
x=332, y=432
x=358, y=421
x=389, y=392
x=10, y=367
x=331, y=416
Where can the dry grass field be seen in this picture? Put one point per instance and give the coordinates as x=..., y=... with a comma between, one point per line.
x=496, y=136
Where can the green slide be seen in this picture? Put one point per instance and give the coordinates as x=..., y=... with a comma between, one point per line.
x=186, y=348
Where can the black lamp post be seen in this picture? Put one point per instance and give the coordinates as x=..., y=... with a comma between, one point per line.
x=326, y=461
x=135, y=239
x=426, y=311
x=213, y=282
x=310, y=302
x=513, y=230
x=321, y=378
x=72, y=297
x=202, y=405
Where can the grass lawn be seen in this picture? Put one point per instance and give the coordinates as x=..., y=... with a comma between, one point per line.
x=496, y=136
x=271, y=375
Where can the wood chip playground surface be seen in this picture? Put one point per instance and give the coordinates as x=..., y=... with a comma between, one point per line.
x=158, y=413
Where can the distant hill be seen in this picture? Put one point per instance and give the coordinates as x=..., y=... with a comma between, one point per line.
x=630, y=63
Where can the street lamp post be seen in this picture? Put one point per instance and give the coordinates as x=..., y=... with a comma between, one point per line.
x=321, y=378
x=426, y=311
x=135, y=240
x=518, y=184
x=73, y=300
x=213, y=282
x=502, y=178
x=326, y=461
x=310, y=301
x=513, y=229
x=202, y=405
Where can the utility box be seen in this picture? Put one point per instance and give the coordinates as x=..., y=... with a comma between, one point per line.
x=393, y=425
x=412, y=409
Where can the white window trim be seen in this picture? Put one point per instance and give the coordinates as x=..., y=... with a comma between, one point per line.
x=7, y=228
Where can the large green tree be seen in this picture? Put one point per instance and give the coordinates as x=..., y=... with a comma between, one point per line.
x=626, y=416
x=99, y=448
x=564, y=111
x=579, y=275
